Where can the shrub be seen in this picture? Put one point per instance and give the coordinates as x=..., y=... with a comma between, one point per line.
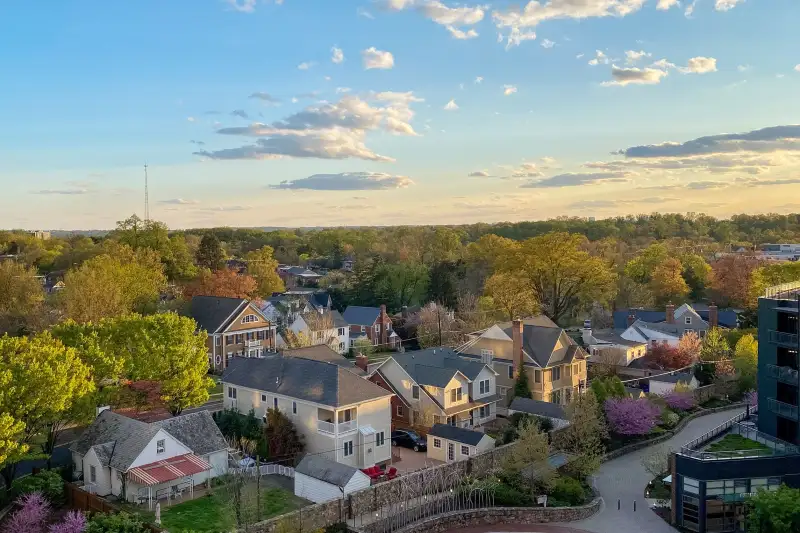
x=31, y=515
x=631, y=417
x=116, y=523
x=506, y=495
x=339, y=527
x=669, y=419
x=569, y=490
x=47, y=482
x=74, y=522
x=681, y=401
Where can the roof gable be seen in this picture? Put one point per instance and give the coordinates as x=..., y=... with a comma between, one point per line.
x=211, y=313
x=437, y=366
x=326, y=470
x=357, y=315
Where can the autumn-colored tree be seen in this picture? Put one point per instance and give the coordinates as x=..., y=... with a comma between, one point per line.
x=667, y=283
x=224, y=283
x=436, y=326
x=511, y=294
x=732, y=279
x=21, y=297
x=113, y=284
x=640, y=269
x=263, y=267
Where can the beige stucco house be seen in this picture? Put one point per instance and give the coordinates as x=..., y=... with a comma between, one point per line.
x=447, y=443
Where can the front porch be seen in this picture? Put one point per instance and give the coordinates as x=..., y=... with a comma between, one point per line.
x=471, y=415
x=171, y=479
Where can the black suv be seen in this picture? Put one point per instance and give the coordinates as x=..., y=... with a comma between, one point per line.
x=409, y=439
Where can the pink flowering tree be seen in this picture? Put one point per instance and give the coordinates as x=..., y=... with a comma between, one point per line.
x=31, y=516
x=74, y=522
x=680, y=401
x=629, y=416
x=751, y=398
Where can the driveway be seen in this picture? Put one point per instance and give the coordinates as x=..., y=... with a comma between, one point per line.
x=625, y=479
x=411, y=460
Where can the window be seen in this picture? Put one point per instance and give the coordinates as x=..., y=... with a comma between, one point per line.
x=218, y=340
x=702, y=333
x=348, y=448
x=483, y=412
x=510, y=371
x=377, y=328
x=341, y=332
x=341, y=346
x=567, y=395
x=486, y=356
x=261, y=335
x=400, y=411
x=567, y=370
x=555, y=397
x=502, y=391
x=362, y=329
x=239, y=338
x=229, y=339
x=231, y=392
x=691, y=512
x=294, y=408
x=275, y=402
x=437, y=443
x=483, y=386
x=247, y=319
x=556, y=373
x=537, y=376
x=380, y=438
x=687, y=320
x=160, y=446
x=93, y=473
x=415, y=392
x=264, y=398
x=464, y=450
x=456, y=395
x=692, y=486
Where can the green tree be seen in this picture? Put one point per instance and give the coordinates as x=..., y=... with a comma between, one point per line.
x=697, y=274
x=584, y=436
x=210, y=254
x=530, y=454
x=445, y=277
x=713, y=355
x=667, y=283
x=21, y=298
x=44, y=380
x=745, y=362
x=281, y=436
x=511, y=294
x=521, y=387
x=95, y=350
x=640, y=269
x=113, y=284
x=263, y=267
x=607, y=387
x=774, y=511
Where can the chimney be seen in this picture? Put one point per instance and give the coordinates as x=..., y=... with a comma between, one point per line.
x=516, y=337
x=713, y=315
x=362, y=361
x=383, y=318
x=670, y=313
x=631, y=319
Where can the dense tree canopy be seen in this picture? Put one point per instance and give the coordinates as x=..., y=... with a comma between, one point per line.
x=21, y=298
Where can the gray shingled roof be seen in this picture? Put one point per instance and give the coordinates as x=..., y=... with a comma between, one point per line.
x=338, y=319
x=612, y=336
x=361, y=316
x=540, y=343
x=305, y=379
x=445, y=361
x=462, y=435
x=211, y=313
x=326, y=470
x=674, y=378
x=197, y=431
x=538, y=408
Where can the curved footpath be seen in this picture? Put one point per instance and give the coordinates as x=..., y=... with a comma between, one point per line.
x=625, y=479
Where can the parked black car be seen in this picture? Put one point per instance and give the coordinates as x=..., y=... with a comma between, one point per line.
x=409, y=439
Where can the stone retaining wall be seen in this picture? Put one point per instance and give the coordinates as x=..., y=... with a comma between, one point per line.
x=311, y=518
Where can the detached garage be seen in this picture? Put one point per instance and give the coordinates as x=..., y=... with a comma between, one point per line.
x=319, y=479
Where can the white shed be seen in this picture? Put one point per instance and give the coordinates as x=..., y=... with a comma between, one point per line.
x=319, y=479
x=665, y=384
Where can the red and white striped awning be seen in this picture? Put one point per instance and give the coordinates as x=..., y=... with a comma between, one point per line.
x=168, y=469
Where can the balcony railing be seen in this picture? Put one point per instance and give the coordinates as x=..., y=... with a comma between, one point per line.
x=253, y=343
x=783, y=409
x=326, y=427
x=344, y=427
x=783, y=339
x=334, y=429
x=784, y=374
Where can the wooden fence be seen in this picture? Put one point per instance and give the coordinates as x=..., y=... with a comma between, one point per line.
x=77, y=498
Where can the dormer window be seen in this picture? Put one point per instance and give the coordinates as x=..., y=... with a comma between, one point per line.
x=687, y=320
x=161, y=446
x=248, y=319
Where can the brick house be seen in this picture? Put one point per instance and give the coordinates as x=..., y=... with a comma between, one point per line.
x=372, y=323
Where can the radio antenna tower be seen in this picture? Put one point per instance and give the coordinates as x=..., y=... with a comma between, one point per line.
x=146, y=196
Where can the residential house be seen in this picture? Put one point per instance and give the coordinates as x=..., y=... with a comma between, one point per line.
x=283, y=309
x=323, y=327
x=608, y=347
x=666, y=383
x=235, y=327
x=549, y=410
x=437, y=386
x=297, y=276
x=326, y=354
x=318, y=479
x=138, y=461
x=698, y=318
x=554, y=363
x=449, y=443
x=371, y=323
x=340, y=415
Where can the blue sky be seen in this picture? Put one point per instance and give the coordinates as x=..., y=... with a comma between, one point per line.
x=304, y=112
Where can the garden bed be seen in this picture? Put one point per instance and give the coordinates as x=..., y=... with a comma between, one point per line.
x=733, y=442
x=658, y=490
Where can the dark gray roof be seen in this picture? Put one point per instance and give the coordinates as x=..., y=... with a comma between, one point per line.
x=212, y=313
x=361, y=316
x=338, y=319
x=305, y=379
x=462, y=435
x=612, y=336
x=324, y=469
x=725, y=317
x=197, y=431
x=321, y=299
x=539, y=408
x=436, y=366
x=547, y=345
x=674, y=378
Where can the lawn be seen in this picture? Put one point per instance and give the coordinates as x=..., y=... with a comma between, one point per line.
x=733, y=442
x=208, y=514
x=216, y=389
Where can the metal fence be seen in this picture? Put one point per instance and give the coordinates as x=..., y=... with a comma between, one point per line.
x=783, y=288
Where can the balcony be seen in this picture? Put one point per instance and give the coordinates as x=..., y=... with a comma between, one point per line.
x=336, y=429
x=783, y=409
x=784, y=374
x=253, y=343
x=783, y=339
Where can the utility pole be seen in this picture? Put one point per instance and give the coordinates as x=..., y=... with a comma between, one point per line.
x=146, y=197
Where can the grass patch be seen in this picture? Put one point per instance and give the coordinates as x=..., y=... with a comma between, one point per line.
x=208, y=514
x=216, y=389
x=715, y=402
x=658, y=490
x=733, y=442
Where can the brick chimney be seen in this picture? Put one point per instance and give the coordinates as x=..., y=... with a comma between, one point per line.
x=362, y=361
x=670, y=313
x=516, y=337
x=713, y=315
x=383, y=319
x=631, y=319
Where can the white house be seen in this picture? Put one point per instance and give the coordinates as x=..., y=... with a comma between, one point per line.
x=609, y=347
x=667, y=383
x=139, y=461
x=448, y=443
x=339, y=414
x=319, y=479
x=323, y=327
x=653, y=333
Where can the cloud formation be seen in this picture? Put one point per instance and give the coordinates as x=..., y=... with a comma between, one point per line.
x=572, y=179
x=700, y=65
x=598, y=58
x=347, y=181
x=242, y=6
x=632, y=56
x=478, y=174
x=461, y=34
x=509, y=89
x=266, y=97
x=241, y=113
x=664, y=5
x=337, y=55
x=66, y=192
x=454, y=19
x=377, y=59
x=547, y=43
x=451, y=106
x=179, y=201
x=726, y=5
x=634, y=76
x=305, y=65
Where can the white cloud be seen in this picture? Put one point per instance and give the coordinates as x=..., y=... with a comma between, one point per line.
x=478, y=174
x=743, y=68
x=377, y=59
x=516, y=37
x=243, y=6
x=664, y=5
x=342, y=90
x=265, y=97
x=179, y=201
x=509, y=89
x=579, y=56
x=479, y=79
x=190, y=119
x=797, y=67
x=305, y=65
x=634, y=76
x=461, y=34
x=578, y=178
x=726, y=5
x=451, y=106
x=547, y=43
x=67, y=192
x=452, y=18
x=632, y=56
x=690, y=9
x=700, y=65
x=347, y=181
x=599, y=58
x=361, y=12
x=223, y=208
x=337, y=56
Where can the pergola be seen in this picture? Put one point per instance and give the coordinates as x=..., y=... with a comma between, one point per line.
x=178, y=467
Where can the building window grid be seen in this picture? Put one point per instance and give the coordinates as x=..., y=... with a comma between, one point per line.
x=483, y=386
x=348, y=448
x=437, y=443
x=380, y=438
x=556, y=373
x=510, y=371
x=464, y=450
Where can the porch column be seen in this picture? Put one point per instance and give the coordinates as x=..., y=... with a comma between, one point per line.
x=149, y=497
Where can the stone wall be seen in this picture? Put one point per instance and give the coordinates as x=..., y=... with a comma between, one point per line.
x=311, y=518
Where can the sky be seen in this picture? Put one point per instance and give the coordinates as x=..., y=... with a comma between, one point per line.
x=360, y=112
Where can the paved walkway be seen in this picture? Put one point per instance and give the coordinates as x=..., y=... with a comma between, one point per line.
x=625, y=479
